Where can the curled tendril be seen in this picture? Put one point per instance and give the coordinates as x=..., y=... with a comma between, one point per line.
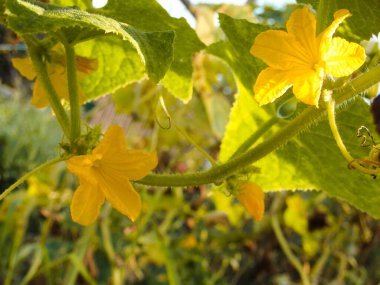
x=365, y=162
x=363, y=132
x=168, y=127
x=168, y=118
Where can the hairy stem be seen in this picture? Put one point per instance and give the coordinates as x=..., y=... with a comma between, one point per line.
x=255, y=136
x=42, y=73
x=73, y=93
x=221, y=171
x=27, y=175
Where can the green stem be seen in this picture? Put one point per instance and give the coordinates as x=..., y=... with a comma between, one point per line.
x=42, y=74
x=221, y=171
x=255, y=136
x=73, y=92
x=334, y=130
x=287, y=251
x=27, y=175
x=78, y=255
x=303, y=121
x=322, y=15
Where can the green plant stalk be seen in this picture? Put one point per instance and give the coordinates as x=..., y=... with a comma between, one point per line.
x=21, y=225
x=42, y=74
x=117, y=274
x=35, y=264
x=77, y=262
x=323, y=11
x=255, y=136
x=221, y=171
x=27, y=175
x=78, y=254
x=170, y=263
x=73, y=93
x=287, y=251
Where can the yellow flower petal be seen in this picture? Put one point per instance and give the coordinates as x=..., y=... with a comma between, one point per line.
x=299, y=58
x=58, y=78
x=280, y=50
x=271, y=84
x=307, y=87
x=82, y=166
x=252, y=198
x=110, y=166
x=325, y=37
x=25, y=67
x=117, y=160
x=343, y=57
x=112, y=142
x=120, y=193
x=39, y=98
x=133, y=164
x=86, y=202
x=302, y=25
x=85, y=65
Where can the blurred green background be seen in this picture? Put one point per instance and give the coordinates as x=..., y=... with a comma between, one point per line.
x=196, y=235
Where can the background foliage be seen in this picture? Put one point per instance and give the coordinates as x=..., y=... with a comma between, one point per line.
x=196, y=235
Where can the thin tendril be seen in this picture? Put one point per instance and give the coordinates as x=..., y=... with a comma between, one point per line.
x=184, y=134
x=359, y=134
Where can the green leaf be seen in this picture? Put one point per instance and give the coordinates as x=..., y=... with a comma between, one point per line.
x=312, y=161
x=178, y=79
x=154, y=48
x=235, y=50
x=217, y=109
x=82, y=4
x=365, y=19
x=118, y=65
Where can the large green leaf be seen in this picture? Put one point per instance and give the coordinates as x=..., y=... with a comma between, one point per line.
x=365, y=19
x=312, y=161
x=118, y=65
x=148, y=15
x=235, y=52
x=82, y=4
x=154, y=48
x=235, y=49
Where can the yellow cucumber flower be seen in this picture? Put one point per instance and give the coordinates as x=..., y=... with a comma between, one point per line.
x=301, y=59
x=105, y=174
x=56, y=67
x=251, y=197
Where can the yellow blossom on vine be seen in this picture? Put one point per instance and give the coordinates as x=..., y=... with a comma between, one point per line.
x=251, y=197
x=301, y=59
x=105, y=174
x=56, y=67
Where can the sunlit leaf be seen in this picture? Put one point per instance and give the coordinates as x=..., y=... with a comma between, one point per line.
x=154, y=48
x=178, y=79
x=365, y=19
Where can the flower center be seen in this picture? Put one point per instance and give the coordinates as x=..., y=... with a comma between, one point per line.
x=96, y=161
x=319, y=68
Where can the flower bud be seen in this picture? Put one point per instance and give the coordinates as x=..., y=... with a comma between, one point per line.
x=252, y=198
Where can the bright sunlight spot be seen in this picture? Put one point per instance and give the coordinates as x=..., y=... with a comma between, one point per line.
x=99, y=3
